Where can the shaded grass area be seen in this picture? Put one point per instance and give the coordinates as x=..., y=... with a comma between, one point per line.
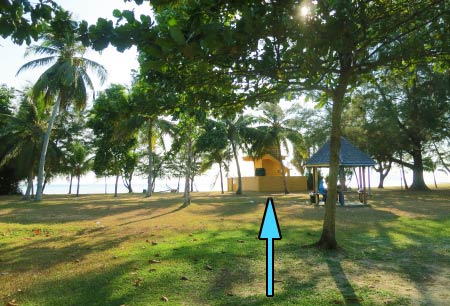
x=97, y=250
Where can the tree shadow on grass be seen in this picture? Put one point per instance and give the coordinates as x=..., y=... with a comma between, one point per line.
x=45, y=253
x=341, y=280
x=56, y=210
x=156, y=216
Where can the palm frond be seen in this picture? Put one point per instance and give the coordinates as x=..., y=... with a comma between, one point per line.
x=97, y=68
x=86, y=79
x=41, y=50
x=40, y=62
x=80, y=94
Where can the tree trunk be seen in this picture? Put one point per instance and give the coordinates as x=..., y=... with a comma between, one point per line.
x=115, y=187
x=45, y=142
x=233, y=146
x=221, y=178
x=29, y=186
x=434, y=177
x=381, y=183
x=45, y=182
x=418, y=181
x=130, y=188
x=70, y=185
x=403, y=171
x=78, y=185
x=328, y=238
x=150, y=159
x=187, y=196
x=280, y=159
x=383, y=173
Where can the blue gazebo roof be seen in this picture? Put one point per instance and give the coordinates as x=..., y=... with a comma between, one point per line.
x=349, y=156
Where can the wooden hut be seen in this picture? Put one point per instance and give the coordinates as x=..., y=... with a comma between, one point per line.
x=349, y=157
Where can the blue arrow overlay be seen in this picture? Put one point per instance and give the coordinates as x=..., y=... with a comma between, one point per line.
x=270, y=231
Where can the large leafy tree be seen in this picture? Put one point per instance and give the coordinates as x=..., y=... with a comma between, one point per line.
x=114, y=145
x=66, y=81
x=23, y=20
x=417, y=100
x=149, y=103
x=272, y=48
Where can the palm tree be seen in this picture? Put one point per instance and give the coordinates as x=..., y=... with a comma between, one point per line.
x=79, y=162
x=157, y=128
x=66, y=79
x=212, y=143
x=21, y=137
x=275, y=130
x=235, y=128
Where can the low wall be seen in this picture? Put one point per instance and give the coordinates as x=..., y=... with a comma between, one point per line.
x=269, y=183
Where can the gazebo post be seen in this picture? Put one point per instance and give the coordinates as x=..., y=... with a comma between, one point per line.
x=360, y=179
x=316, y=185
x=364, y=185
x=368, y=177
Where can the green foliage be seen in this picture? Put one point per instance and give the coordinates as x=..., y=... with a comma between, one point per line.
x=113, y=146
x=24, y=21
x=21, y=137
x=6, y=96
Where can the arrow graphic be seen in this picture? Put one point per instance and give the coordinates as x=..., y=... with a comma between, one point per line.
x=270, y=231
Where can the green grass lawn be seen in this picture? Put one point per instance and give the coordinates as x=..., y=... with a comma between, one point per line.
x=98, y=250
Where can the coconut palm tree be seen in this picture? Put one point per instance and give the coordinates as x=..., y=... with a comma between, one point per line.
x=21, y=137
x=274, y=130
x=235, y=129
x=66, y=81
x=79, y=162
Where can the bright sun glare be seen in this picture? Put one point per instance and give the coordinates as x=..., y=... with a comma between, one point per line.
x=304, y=11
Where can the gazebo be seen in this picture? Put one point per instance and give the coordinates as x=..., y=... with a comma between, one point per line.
x=349, y=157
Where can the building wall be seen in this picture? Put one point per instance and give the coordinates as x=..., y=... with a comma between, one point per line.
x=269, y=183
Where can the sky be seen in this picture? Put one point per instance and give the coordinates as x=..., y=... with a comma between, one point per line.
x=118, y=65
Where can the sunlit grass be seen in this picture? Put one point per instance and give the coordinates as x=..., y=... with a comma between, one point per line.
x=98, y=250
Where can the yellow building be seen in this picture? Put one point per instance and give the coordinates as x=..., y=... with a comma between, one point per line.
x=268, y=177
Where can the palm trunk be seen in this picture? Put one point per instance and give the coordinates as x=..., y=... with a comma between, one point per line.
x=70, y=185
x=150, y=159
x=239, y=189
x=78, y=185
x=280, y=159
x=221, y=178
x=187, y=198
x=115, y=187
x=29, y=186
x=45, y=182
x=44, y=150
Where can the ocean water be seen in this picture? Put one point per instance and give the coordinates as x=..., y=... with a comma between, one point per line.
x=90, y=184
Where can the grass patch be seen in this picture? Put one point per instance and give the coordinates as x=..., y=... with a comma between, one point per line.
x=97, y=250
